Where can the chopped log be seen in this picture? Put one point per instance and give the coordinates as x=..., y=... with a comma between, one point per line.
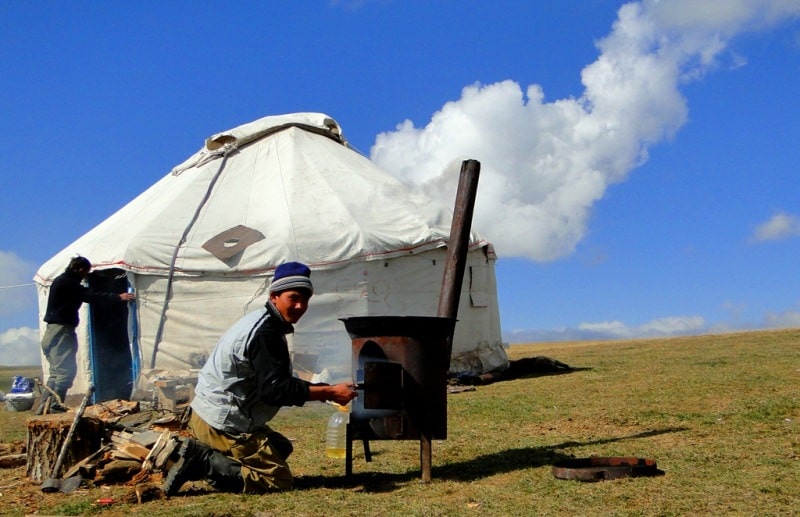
x=158, y=457
x=121, y=437
x=17, y=447
x=171, y=422
x=117, y=470
x=162, y=457
x=111, y=411
x=140, y=421
x=10, y=454
x=87, y=465
x=12, y=460
x=147, y=438
x=132, y=451
x=45, y=437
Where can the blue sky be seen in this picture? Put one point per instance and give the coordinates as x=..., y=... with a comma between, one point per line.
x=639, y=161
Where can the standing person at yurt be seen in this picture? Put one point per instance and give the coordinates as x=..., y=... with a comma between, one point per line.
x=241, y=387
x=60, y=342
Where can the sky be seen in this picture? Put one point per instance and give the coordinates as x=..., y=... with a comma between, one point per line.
x=639, y=161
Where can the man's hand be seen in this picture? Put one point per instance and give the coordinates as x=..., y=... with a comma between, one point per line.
x=343, y=393
x=127, y=297
x=340, y=393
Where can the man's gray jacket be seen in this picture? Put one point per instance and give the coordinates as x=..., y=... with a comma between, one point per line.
x=248, y=376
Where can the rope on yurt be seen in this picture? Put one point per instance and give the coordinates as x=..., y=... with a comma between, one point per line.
x=230, y=147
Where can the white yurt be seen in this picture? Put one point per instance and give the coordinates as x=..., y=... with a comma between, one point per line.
x=199, y=248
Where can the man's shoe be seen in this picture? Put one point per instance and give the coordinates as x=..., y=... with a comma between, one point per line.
x=191, y=466
x=58, y=408
x=224, y=473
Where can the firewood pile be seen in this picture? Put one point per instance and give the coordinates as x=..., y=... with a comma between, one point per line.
x=116, y=441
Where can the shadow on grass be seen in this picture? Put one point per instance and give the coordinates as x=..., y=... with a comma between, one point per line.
x=471, y=470
x=525, y=368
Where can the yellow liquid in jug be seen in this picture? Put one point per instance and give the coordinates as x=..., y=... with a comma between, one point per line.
x=338, y=454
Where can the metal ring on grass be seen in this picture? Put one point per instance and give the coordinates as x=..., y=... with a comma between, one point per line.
x=599, y=469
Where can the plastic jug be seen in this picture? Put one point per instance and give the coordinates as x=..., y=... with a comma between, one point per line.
x=336, y=435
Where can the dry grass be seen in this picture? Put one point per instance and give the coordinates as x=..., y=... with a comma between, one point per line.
x=718, y=413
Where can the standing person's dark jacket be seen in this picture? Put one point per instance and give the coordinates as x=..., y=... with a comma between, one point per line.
x=67, y=293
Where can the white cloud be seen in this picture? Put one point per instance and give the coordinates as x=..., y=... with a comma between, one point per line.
x=545, y=164
x=16, y=285
x=20, y=347
x=663, y=327
x=727, y=17
x=674, y=326
x=607, y=330
x=779, y=227
x=786, y=319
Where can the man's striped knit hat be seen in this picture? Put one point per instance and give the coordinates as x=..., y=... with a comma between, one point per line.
x=291, y=275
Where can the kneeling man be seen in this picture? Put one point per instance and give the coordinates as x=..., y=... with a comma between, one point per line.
x=244, y=383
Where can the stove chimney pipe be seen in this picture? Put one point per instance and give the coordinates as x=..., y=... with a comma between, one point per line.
x=458, y=245
x=457, y=248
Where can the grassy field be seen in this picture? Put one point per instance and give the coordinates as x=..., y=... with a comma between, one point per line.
x=718, y=413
